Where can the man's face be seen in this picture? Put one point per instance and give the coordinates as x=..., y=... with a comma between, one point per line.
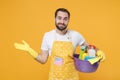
x=61, y=20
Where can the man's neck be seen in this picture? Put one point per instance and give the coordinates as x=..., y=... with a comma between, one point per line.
x=61, y=32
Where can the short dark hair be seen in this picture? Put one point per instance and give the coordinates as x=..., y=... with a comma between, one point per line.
x=63, y=10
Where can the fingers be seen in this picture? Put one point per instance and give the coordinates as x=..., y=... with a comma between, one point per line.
x=103, y=58
x=19, y=46
x=25, y=43
x=101, y=54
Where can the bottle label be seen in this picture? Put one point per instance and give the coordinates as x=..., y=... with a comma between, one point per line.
x=91, y=52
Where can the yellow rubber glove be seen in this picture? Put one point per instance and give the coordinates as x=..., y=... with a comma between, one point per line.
x=100, y=57
x=25, y=47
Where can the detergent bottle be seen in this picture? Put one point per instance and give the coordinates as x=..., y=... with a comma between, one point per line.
x=81, y=57
x=91, y=51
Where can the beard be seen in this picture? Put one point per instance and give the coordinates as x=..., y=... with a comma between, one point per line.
x=61, y=28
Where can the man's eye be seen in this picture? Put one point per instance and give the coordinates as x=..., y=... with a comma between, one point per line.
x=65, y=19
x=59, y=18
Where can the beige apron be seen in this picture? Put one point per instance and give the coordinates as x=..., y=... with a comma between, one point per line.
x=62, y=63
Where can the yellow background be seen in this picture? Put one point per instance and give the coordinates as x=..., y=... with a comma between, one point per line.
x=97, y=20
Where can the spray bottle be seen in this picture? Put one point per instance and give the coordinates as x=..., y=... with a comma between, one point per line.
x=91, y=51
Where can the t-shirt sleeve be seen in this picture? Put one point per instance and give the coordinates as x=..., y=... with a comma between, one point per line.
x=44, y=45
x=81, y=39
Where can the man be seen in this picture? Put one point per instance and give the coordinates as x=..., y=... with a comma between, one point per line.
x=60, y=44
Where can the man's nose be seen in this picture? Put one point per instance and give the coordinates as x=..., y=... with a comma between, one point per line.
x=61, y=21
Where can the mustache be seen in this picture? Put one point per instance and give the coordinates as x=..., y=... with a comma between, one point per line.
x=61, y=24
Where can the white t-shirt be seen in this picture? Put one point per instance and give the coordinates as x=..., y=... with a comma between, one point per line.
x=49, y=37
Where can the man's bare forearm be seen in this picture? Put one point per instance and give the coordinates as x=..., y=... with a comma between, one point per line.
x=42, y=57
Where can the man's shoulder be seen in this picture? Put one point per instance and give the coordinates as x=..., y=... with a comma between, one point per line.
x=49, y=33
x=73, y=31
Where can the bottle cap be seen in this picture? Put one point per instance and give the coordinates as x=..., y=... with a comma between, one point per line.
x=92, y=46
x=83, y=47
